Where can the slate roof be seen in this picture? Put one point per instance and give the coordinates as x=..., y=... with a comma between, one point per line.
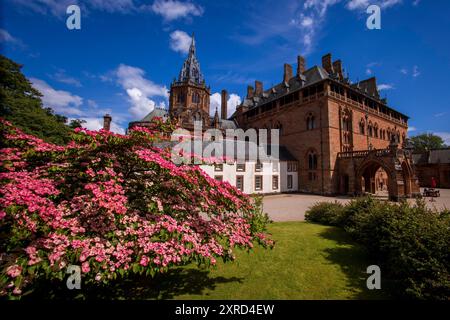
x=283, y=152
x=310, y=77
x=156, y=112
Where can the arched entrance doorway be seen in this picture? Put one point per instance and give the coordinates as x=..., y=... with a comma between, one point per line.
x=373, y=177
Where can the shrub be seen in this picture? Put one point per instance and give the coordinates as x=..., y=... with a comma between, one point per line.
x=115, y=205
x=328, y=213
x=410, y=242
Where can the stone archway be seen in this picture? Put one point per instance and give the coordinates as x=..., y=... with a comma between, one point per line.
x=365, y=177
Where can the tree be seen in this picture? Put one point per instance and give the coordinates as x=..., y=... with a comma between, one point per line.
x=426, y=141
x=114, y=205
x=76, y=123
x=21, y=104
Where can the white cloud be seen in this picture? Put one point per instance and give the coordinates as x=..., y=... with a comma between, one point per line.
x=363, y=4
x=53, y=7
x=58, y=7
x=62, y=77
x=97, y=124
x=385, y=86
x=140, y=90
x=357, y=4
x=5, y=36
x=173, y=9
x=180, y=41
x=440, y=114
x=92, y=104
x=62, y=102
x=216, y=100
x=415, y=72
x=412, y=128
x=122, y=6
x=445, y=136
x=404, y=71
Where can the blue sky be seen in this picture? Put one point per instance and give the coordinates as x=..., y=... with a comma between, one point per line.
x=128, y=51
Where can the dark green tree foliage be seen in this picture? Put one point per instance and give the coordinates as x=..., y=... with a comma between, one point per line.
x=21, y=104
x=427, y=141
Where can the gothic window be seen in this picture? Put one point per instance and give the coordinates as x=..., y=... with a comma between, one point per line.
x=346, y=122
x=310, y=122
x=370, y=129
x=196, y=98
x=375, y=130
x=312, y=160
x=362, y=127
x=180, y=97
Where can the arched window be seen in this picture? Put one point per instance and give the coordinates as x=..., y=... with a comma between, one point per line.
x=370, y=129
x=180, y=97
x=375, y=130
x=347, y=121
x=389, y=135
x=362, y=127
x=196, y=98
x=312, y=160
x=310, y=122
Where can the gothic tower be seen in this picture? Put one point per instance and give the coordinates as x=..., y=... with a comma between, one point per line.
x=189, y=95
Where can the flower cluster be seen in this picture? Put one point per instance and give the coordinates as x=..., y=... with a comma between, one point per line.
x=114, y=205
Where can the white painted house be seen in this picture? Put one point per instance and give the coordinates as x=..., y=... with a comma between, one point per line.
x=258, y=177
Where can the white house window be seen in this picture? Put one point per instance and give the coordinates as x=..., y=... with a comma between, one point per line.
x=275, y=182
x=258, y=166
x=240, y=183
x=258, y=183
x=218, y=167
x=292, y=166
x=218, y=178
x=289, y=181
x=240, y=167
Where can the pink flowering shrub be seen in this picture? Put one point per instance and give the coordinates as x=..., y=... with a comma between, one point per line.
x=114, y=205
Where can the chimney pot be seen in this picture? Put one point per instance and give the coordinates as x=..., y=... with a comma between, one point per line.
x=326, y=63
x=250, y=92
x=337, y=67
x=287, y=73
x=301, y=65
x=258, y=88
x=224, y=105
x=107, y=122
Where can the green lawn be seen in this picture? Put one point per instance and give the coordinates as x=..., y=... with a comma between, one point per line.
x=309, y=261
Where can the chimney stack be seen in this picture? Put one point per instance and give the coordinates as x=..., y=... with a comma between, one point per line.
x=337, y=67
x=224, y=106
x=326, y=63
x=287, y=73
x=249, y=92
x=258, y=88
x=107, y=122
x=301, y=65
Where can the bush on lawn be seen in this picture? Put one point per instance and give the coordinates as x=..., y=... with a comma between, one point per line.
x=410, y=242
x=114, y=205
x=328, y=213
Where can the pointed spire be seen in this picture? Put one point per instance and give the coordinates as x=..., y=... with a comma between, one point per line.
x=191, y=67
x=192, y=47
